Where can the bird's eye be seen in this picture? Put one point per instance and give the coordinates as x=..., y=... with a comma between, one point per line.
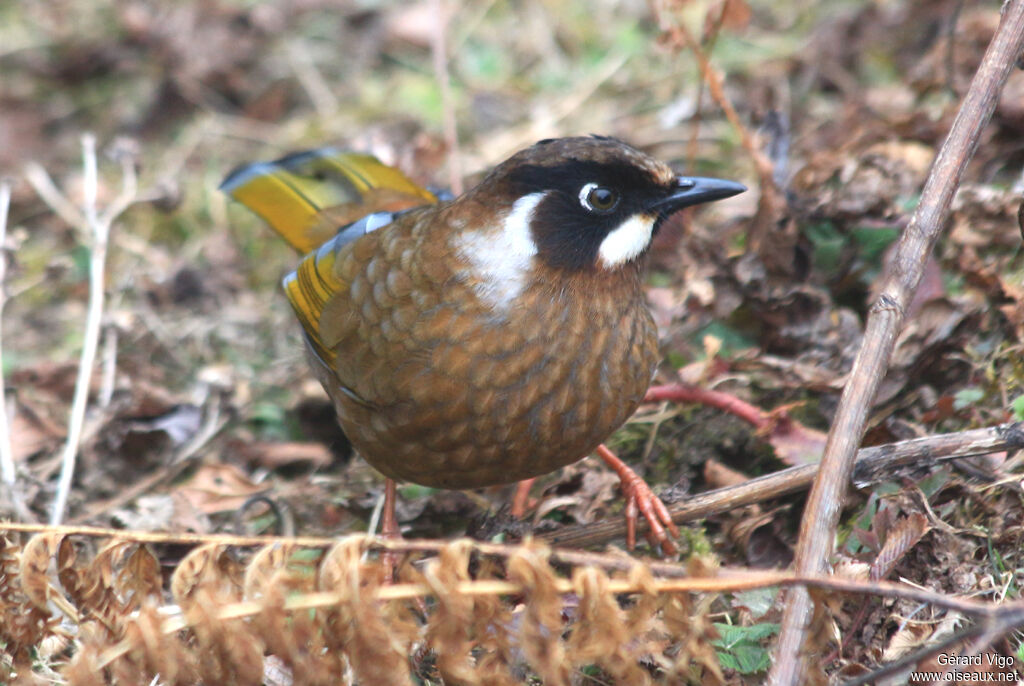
x=598, y=198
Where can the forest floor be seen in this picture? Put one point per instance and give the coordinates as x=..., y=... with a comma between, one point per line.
x=204, y=418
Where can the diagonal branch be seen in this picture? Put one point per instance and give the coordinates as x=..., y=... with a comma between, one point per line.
x=821, y=515
x=875, y=464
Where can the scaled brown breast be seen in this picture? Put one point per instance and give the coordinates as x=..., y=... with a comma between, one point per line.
x=435, y=386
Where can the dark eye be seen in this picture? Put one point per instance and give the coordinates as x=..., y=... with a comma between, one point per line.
x=598, y=198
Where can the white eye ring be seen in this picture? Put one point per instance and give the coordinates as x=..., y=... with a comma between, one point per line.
x=588, y=204
x=584, y=193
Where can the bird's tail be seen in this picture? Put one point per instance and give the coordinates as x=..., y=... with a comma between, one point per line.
x=306, y=197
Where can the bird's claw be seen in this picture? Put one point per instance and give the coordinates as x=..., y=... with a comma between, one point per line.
x=640, y=499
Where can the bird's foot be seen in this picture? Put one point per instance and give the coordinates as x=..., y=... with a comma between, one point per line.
x=521, y=499
x=640, y=498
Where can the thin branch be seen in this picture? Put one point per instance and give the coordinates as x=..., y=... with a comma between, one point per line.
x=680, y=37
x=375, y=515
x=661, y=578
x=821, y=514
x=96, y=227
x=684, y=393
x=129, y=189
x=987, y=632
x=45, y=189
x=691, y=145
x=875, y=464
x=7, y=470
x=611, y=562
x=97, y=262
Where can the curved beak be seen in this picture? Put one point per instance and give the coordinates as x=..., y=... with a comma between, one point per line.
x=694, y=190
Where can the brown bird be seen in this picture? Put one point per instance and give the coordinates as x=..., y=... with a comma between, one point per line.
x=484, y=339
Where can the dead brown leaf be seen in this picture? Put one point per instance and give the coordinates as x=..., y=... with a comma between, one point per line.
x=275, y=454
x=219, y=488
x=794, y=443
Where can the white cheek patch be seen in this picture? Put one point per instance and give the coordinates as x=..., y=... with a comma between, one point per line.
x=627, y=241
x=499, y=261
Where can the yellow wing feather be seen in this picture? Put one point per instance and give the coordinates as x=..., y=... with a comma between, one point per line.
x=307, y=198
x=309, y=289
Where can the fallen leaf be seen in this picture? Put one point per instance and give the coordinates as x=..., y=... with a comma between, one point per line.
x=32, y=433
x=794, y=443
x=273, y=454
x=219, y=488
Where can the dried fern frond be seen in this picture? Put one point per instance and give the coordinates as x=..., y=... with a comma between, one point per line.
x=469, y=614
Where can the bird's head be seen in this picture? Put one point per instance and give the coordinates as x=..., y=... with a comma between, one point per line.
x=587, y=203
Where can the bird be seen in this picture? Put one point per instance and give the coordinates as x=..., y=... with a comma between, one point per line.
x=487, y=338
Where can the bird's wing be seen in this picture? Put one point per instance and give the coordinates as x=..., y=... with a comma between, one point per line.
x=319, y=201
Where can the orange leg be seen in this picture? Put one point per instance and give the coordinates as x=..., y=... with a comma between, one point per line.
x=389, y=529
x=640, y=497
x=388, y=520
x=522, y=498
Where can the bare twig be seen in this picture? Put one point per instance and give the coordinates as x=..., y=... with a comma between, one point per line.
x=611, y=562
x=95, y=228
x=378, y=510
x=681, y=393
x=821, y=515
x=727, y=581
x=680, y=36
x=1001, y=621
x=97, y=266
x=874, y=464
x=950, y=31
x=6, y=456
x=7, y=469
x=769, y=236
x=691, y=145
x=673, y=576
x=129, y=189
x=45, y=188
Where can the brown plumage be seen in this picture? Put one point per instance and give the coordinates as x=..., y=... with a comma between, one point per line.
x=501, y=335
x=442, y=391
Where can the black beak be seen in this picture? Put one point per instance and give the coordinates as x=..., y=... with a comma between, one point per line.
x=694, y=190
